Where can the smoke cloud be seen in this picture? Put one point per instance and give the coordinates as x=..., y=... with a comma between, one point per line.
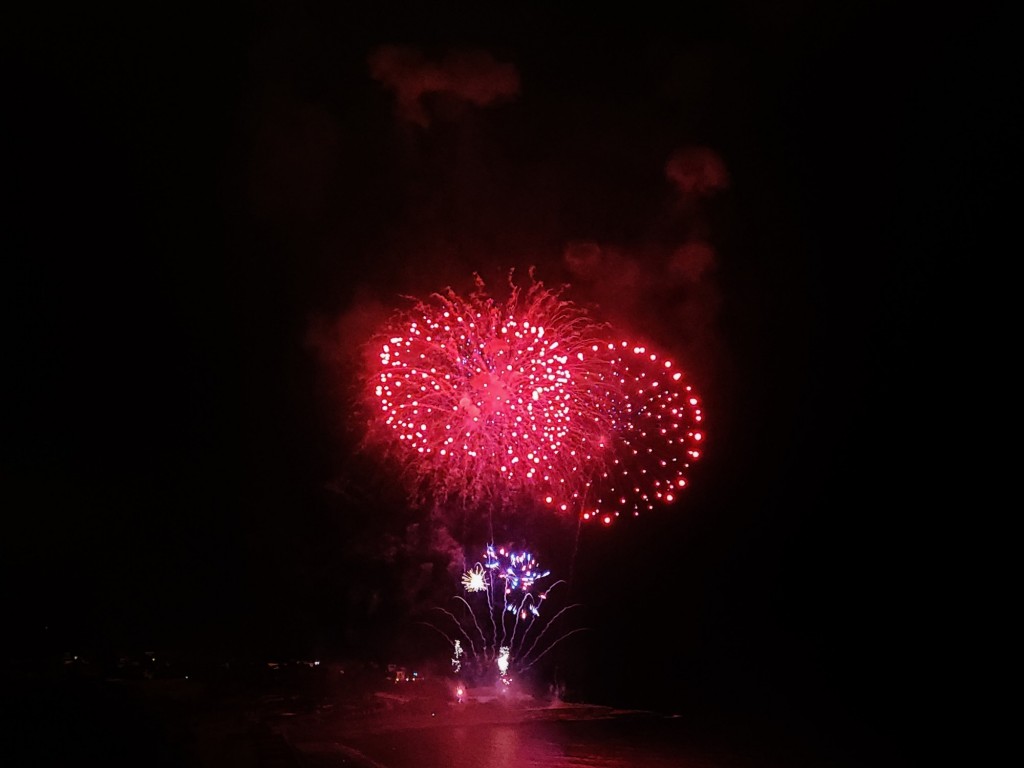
x=665, y=288
x=470, y=76
x=697, y=172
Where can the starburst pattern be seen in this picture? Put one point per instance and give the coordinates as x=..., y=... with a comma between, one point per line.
x=491, y=402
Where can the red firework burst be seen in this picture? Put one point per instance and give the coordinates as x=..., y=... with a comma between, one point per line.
x=487, y=401
x=658, y=435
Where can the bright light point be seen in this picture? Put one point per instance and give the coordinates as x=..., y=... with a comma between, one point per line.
x=474, y=580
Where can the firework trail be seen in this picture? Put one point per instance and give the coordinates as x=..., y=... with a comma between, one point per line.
x=509, y=605
x=489, y=402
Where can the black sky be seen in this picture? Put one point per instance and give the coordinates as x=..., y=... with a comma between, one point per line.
x=198, y=199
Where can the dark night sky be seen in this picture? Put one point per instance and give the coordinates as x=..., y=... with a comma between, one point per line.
x=197, y=200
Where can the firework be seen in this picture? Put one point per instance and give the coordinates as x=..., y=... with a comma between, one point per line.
x=499, y=628
x=519, y=569
x=658, y=435
x=486, y=401
x=492, y=402
x=475, y=579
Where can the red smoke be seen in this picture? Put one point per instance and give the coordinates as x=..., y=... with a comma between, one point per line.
x=697, y=172
x=473, y=76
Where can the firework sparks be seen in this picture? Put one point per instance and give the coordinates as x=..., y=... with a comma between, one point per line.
x=519, y=569
x=658, y=436
x=475, y=579
x=503, y=653
x=483, y=401
x=501, y=629
x=487, y=402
